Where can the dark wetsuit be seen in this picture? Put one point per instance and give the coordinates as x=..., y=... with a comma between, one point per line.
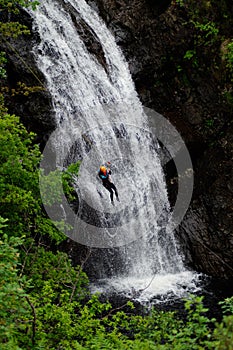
x=108, y=185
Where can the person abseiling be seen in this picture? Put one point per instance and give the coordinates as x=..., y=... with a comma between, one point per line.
x=105, y=175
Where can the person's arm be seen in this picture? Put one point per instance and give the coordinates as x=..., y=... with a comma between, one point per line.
x=109, y=168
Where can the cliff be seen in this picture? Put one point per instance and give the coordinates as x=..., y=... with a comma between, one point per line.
x=179, y=68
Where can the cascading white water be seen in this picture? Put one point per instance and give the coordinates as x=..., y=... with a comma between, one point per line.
x=97, y=104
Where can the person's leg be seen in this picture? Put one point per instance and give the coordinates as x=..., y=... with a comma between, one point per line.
x=111, y=194
x=115, y=190
x=106, y=185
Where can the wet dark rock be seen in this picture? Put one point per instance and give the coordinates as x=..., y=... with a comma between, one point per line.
x=88, y=36
x=213, y=195
x=154, y=40
x=35, y=108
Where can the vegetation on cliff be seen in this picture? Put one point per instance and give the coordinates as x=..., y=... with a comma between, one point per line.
x=211, y=47
x=44, y=299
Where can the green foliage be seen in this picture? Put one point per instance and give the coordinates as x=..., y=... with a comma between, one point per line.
x=196, y=332
x=155, y=326
x=54, y=187
x=229, y=58
x=227, y=305
x=13, y=29
x=180, y=2
x=228, y=95
x=20, y=199
x=206, y=35
x=230, y=53
x=209, y=123
x=68, y=177
x=46, y=318
x=45, y=303
x=23, y=89
x=191, y=55
x=19, y=160
x=45, y=268
x=12, y=5
x=55, y=310
x=20, y=89
x=14, y=310
x=57, y=183
x=46, y=227
x=208, y=32
x=3, y=109
x=51, y=187
x=224, y=334
x=57, y=293
x=3, y=61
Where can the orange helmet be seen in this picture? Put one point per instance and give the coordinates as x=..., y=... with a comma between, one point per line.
x=103, y=169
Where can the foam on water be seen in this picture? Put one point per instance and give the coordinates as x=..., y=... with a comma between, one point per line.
x=159, y=288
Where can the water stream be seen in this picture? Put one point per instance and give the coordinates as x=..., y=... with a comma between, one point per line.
x=100, y=118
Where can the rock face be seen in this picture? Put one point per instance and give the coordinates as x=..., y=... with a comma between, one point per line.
x=33, y=106
x=208, y=224
x=189, y=92
x=180, y=76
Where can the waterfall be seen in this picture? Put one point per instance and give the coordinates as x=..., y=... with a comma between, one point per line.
x=100, y=118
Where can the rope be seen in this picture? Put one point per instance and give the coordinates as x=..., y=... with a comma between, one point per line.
x=148, y=285
x=24, y=63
